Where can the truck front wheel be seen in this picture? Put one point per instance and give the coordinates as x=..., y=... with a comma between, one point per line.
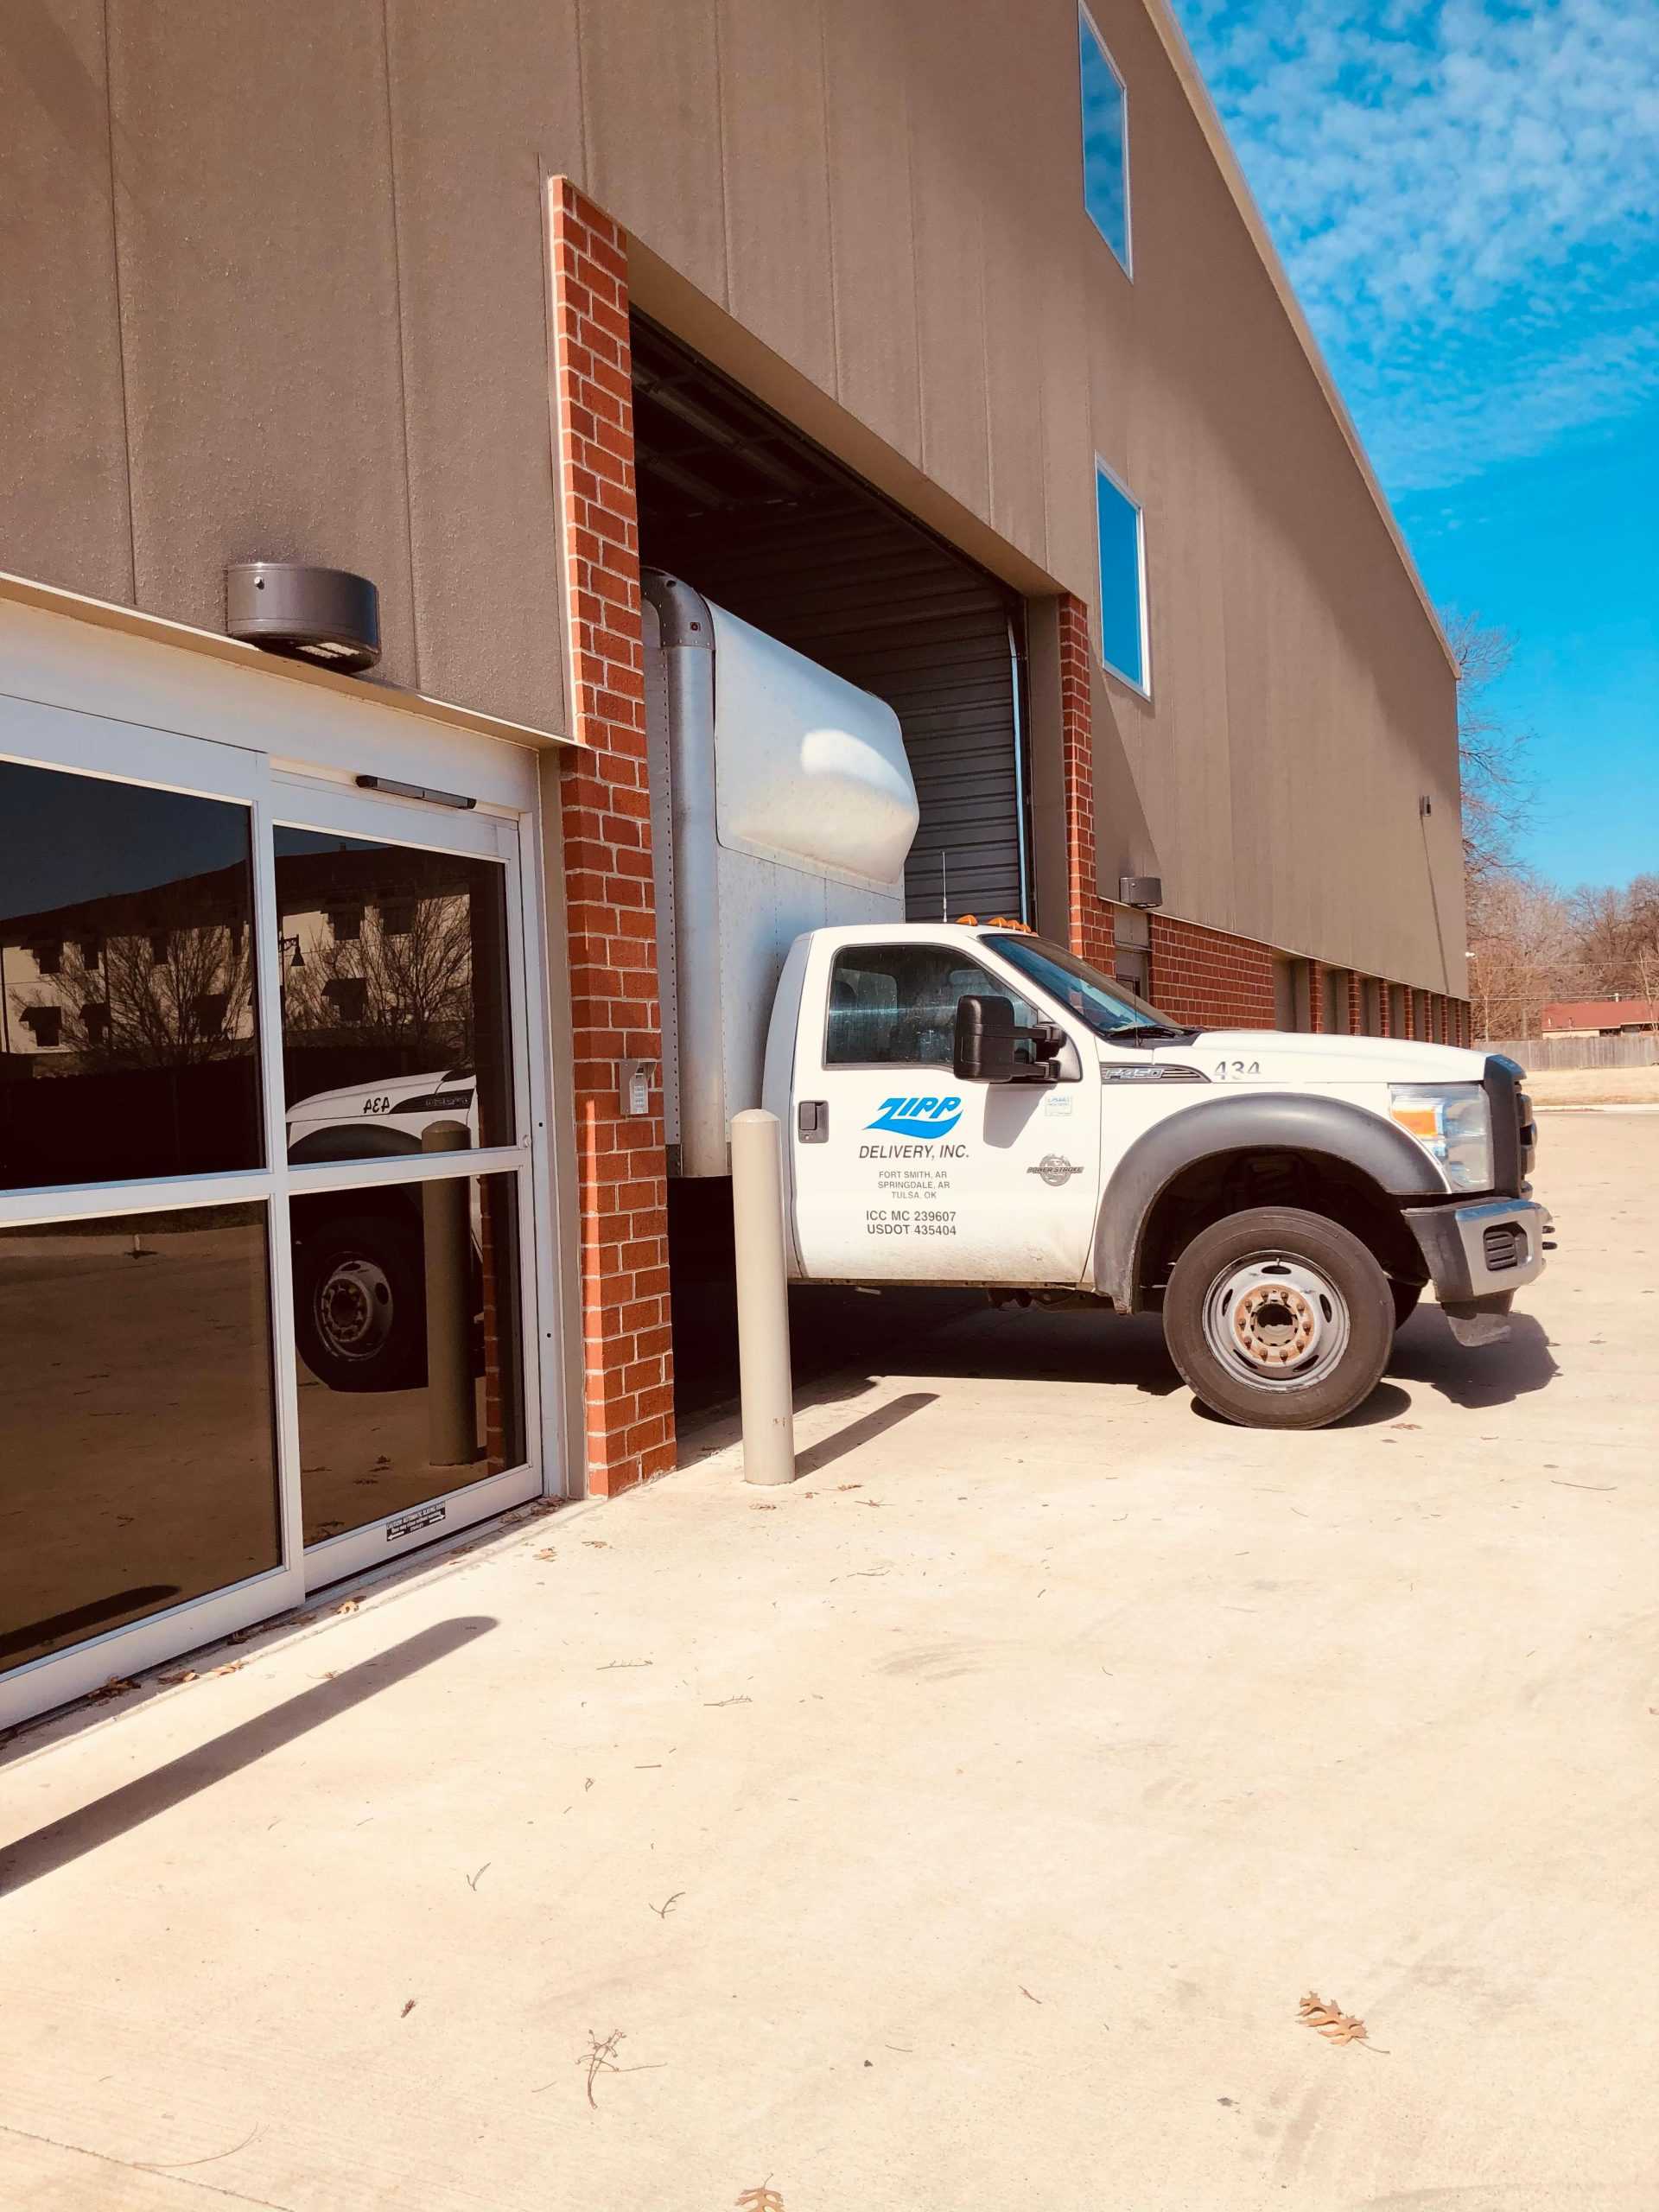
x=1279, y=1318
x=360, y=1303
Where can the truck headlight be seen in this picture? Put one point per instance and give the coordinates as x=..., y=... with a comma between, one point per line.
x=1452, y=1121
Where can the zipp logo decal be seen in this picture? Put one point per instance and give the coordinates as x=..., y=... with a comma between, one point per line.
x=918, y=1117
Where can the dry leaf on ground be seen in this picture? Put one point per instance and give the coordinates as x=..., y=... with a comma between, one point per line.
x=1332, y=2023
x=761, y=2200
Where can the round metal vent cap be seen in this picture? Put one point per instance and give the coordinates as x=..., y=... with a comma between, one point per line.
x=326, y=615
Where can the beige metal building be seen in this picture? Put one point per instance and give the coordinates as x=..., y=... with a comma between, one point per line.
x=940, y=341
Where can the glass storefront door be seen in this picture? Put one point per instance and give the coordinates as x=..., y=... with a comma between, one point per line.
x=266, y=1204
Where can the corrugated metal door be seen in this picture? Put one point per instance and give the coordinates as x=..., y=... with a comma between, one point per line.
x=743, y=506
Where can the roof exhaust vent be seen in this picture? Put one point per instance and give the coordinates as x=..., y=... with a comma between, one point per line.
x=327, y=616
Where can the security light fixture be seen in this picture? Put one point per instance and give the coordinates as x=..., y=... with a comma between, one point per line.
x=327, y=616
x=1143, y=890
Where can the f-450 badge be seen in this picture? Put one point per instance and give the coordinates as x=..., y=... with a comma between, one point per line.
x=1055, y=1169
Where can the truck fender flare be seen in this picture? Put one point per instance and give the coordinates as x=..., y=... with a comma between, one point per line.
x=1266, y=1121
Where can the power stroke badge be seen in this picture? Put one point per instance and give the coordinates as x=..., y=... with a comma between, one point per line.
x=1055, y=1169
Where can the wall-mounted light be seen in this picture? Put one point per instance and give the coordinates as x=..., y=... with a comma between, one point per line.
x=1143, y=890
x=328, y=616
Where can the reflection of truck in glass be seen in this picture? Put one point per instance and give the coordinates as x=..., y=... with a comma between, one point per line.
x=965, y=1105
x=360, y=1287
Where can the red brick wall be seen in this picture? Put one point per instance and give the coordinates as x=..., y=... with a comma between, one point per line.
x=1207, y=976
x=621, y=1172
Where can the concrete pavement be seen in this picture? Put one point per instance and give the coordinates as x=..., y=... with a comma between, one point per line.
x=956, y=1829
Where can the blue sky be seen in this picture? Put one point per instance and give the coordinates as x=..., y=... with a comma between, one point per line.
x=1467, y=197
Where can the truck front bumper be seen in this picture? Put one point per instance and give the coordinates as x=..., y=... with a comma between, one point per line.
x=1478, y=1256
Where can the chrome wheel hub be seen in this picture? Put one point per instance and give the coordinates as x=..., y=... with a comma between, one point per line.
x=355, y=1309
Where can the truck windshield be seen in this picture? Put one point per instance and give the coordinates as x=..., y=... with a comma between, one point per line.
x=1110, y=1009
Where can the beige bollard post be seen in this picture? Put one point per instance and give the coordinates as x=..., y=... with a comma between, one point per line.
x=451, y=1399
x=762, y=1299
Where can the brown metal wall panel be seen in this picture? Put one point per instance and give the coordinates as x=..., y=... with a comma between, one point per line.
x=259, y=301
x=63, y=489
x=469, y=118
x=878, y=370
x=777, y=178
x=651, y=96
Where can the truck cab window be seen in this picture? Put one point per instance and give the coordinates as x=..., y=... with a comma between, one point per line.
x=1110, y=1009
x=895, y=1005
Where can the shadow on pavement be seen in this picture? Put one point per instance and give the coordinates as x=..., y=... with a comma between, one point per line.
x=1427, y=1352
x=867, y=1426
x=64, y=1841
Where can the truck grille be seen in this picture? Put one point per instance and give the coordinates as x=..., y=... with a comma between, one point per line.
x=1504, y=1246
x=1515, y=1133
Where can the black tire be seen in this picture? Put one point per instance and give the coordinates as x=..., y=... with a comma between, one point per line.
x=1406, y=1295
x=1279, y=1318
x=360, y=1303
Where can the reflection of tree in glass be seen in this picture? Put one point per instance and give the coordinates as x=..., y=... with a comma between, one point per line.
x=403, y=977
x=175, y=995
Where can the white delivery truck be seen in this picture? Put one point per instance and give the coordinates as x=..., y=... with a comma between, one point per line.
x=965, y=1105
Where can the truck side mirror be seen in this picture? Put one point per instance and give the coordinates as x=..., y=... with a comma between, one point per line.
x=984, y=1040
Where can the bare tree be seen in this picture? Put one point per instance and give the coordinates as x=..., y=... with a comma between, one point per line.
x=176, y=995
x=404, y=979
x=1497, y=793
x=1521, y=952
x=1615, y=929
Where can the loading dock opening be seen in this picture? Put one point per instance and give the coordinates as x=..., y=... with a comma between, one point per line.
x=762, y=520
x=759, y=518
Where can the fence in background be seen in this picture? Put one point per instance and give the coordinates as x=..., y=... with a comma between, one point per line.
x=1553, y=1053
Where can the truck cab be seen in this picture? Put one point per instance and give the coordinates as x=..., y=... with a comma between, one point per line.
x=966, y=1104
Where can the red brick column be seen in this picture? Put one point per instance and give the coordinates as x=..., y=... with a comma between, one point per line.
x=1089, y=918
x=622, y=1171
x=1316, y=997
x=1384, y=1010
x=1356, y=1005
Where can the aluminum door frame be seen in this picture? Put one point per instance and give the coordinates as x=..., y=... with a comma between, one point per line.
x=321, y=804
x=74, y=741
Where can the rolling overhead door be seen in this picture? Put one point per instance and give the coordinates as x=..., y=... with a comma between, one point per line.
x=763, y=521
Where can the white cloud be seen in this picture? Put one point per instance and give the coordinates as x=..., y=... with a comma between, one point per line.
x=1467, y=197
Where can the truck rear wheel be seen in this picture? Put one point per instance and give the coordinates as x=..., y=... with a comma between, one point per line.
x=1279, y=1318
x=360, y=1303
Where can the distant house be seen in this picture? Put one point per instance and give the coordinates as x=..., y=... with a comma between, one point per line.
x=1600, y=1017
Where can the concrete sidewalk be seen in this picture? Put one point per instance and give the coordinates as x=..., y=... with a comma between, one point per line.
x=956, y=1829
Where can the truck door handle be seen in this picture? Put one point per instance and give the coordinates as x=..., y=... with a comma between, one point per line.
x=812, y=1121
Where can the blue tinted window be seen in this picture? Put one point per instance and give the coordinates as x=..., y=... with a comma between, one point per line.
x=1123, y=641
x=1105, y=142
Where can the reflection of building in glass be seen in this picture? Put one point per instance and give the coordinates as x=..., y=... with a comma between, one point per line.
x=375, y=949
x=156, y=978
